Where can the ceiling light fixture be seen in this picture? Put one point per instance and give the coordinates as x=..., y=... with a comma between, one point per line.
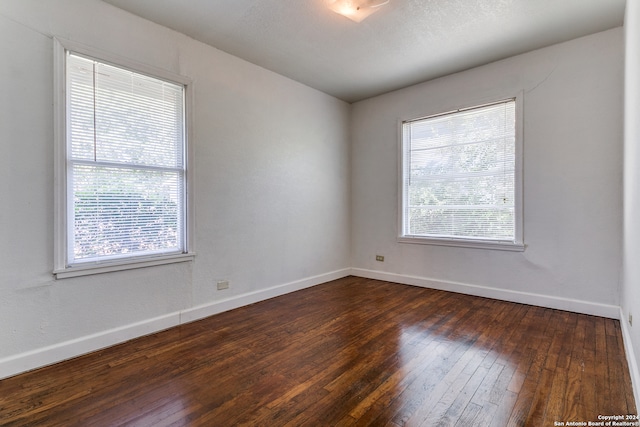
x=356, y=10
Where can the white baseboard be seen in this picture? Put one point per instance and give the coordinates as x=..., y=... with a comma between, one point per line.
x=631, y=357
x=37, y=358
x=49, y=355
x=576, y=306
x=215, y=307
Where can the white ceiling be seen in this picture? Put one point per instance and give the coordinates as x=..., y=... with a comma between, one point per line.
x=406, y=42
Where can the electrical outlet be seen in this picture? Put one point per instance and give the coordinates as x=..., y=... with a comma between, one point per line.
x=630, y=319
x=380, y=258
x=223, y=284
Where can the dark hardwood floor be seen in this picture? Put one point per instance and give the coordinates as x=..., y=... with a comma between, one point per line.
x=349, y=352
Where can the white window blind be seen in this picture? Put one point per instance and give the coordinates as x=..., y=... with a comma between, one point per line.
x=125, y=163
x=459, y=175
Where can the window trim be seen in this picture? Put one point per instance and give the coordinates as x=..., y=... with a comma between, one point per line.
x=61, y=268
x=517, y=244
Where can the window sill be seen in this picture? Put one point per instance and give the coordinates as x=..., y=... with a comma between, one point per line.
x=119, y=265
x=464, y=243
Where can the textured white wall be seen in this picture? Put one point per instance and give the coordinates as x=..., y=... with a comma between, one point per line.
x=630, y=293
x=572, y=174
x=271, y=178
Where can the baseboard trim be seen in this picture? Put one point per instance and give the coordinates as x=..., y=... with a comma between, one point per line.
x=634, y=373
x=38, y=358
x=576, y=306
x=49, y=355
x=215, y=307
x=23, y=362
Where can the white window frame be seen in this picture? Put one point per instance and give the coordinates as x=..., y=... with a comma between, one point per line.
x=62, y=269
x=518, y=242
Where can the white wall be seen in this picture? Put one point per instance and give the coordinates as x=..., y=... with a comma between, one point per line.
x=572, y=180
x=271, y=182
x=630, y=292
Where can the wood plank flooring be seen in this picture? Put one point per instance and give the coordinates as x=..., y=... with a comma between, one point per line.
x=350, y=352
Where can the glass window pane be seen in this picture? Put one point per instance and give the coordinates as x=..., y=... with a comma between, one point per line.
x=459, y=174
x=125, y=162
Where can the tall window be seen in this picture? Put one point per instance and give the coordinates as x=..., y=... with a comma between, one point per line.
x=460, y=178
x=124, y=165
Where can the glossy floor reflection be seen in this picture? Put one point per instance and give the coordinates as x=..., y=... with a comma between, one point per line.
x=349, y=352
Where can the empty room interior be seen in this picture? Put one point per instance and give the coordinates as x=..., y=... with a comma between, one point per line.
x=320, y=212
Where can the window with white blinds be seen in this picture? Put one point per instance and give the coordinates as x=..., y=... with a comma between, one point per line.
x=125, y=163
x=459, y=177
